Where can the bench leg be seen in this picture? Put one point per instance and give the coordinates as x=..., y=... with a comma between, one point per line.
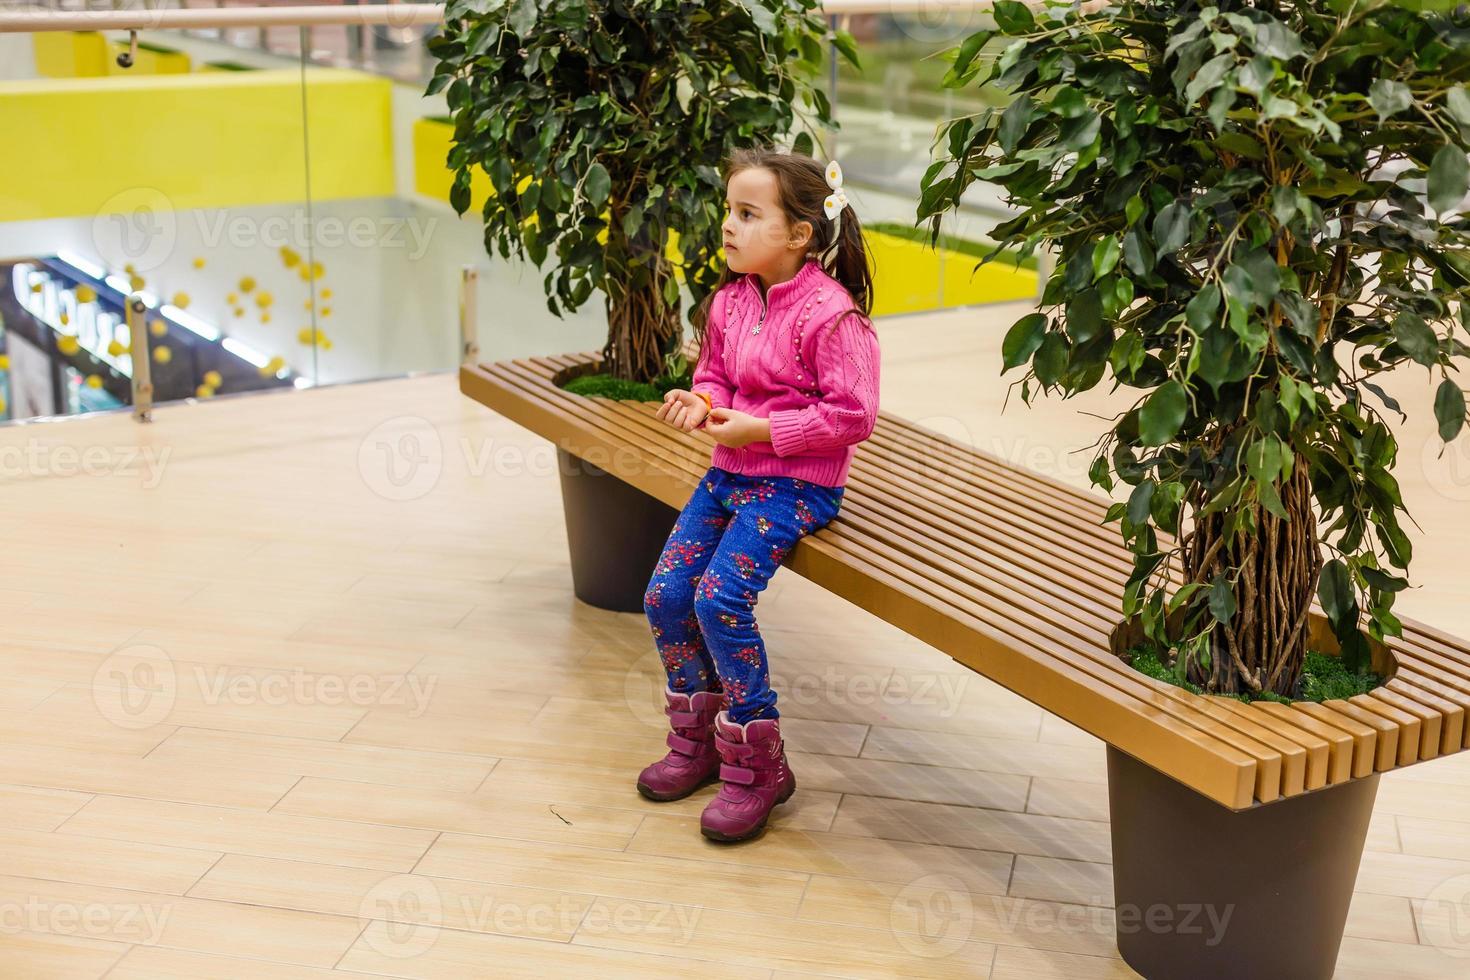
x=615, y=533
x=1205, y=892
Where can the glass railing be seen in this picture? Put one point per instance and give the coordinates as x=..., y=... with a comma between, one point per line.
x=272, y=202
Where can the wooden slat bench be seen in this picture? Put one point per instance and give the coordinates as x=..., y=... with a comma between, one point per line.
x=1013, y=574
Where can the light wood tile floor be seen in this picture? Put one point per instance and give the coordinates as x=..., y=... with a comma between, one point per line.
x=297, y=688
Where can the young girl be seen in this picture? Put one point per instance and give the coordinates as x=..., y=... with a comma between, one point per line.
x=787, y=384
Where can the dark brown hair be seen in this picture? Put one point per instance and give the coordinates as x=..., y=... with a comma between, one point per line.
x=801, y=184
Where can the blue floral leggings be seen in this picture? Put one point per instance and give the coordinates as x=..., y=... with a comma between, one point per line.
x=727, y=543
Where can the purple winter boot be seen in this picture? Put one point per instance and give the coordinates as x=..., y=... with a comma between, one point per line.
x=691, y=761
x=754, y=778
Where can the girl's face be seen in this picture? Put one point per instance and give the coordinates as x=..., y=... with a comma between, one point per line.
x=758, y=238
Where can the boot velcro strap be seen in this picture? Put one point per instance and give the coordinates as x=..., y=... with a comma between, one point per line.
x=737, y=774
x=679, y=743
x=686, y=719
x=737, y=750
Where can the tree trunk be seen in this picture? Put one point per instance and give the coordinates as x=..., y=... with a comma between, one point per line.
x=1274, y=568
x=641, y=325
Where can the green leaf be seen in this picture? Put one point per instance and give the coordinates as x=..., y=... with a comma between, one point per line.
x=1275, y=39
x=969, y=48
x=1335, y=591
x=1382, y=582
x=597, y=185
x=1263, y=459
x=1241, y=145
x=1084, y=316
x=523, y=17
x=1081, y=132
x=1204, y=309
x=1271, y=500
x=1162, y=414
x=765, y=20
x=1457, y=102
x=1417, y=339
x=1253, y=279
x=1209, y=75
x=1449, y=178
x=1105, y=257
x=1013, y=17
x=1449, y=409
x=1171, y=227
x=1136, y=253
x=1388, y=97
x=1022, y=340
x=1051, y=359
x=1133, y=210
x=1014, y=122
x=1222, y=600
x=1127, y=354
x=1139, y=501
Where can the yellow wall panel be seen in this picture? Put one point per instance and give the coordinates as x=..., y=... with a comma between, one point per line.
x=909, y=274
x=202, y=140
x=69, y=54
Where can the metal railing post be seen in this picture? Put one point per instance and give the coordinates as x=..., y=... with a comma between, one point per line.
x=469, y=292
x=142, y=366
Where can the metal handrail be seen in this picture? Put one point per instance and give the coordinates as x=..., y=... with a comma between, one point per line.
x=387, y=14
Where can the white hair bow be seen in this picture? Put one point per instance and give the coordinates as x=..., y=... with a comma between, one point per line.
x=833, y=206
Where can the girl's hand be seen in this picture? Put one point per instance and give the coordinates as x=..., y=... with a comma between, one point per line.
x=682, y=409
x=735, y=429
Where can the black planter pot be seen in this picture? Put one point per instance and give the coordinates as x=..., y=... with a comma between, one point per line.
x=1204, y=892
x=615, y=533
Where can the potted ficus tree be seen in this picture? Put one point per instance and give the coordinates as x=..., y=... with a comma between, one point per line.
x=1255, y=211
x=602, y=125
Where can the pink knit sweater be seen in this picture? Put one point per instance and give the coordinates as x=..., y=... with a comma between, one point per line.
x=778, y=357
